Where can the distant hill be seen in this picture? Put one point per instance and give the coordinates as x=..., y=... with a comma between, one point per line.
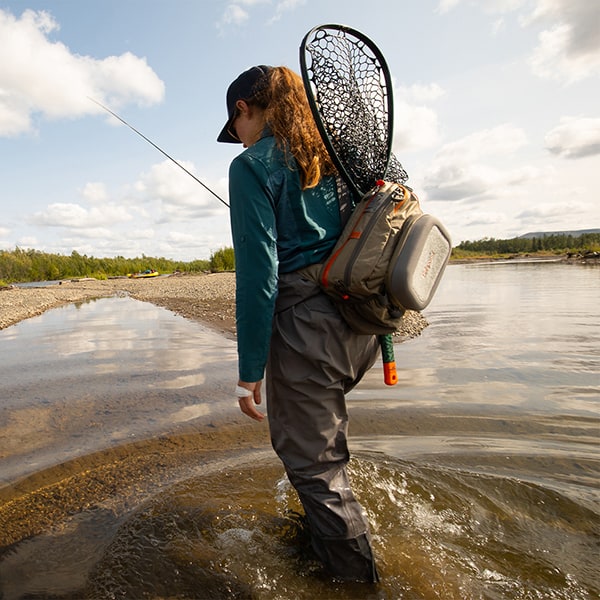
x=541, y=234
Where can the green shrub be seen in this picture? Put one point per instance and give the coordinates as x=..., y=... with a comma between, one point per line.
x=222, y=260
x=31, y=265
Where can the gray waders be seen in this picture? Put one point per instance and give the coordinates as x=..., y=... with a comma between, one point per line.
x=314, y=360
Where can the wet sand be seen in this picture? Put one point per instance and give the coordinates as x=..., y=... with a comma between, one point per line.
x=207, y=298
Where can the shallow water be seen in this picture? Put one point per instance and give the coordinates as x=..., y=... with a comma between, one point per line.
x=127, y=472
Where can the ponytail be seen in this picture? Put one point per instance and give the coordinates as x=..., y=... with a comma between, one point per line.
x=288, y=115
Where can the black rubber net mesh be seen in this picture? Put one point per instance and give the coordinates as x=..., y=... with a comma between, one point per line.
x=349, y=89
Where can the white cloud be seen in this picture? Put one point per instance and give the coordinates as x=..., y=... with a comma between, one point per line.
x=568, y=48
x=416, y=125
x=103, y=243
x=420, y=92
x=285, y=6
x=237, y=12
x=489, y=6
x=38, y=75
x=451, y=182
x=95, y=233
x=483, y=217
x=498, y=26
x=14, y=118
x=234, y=15
x=548, y=216
x=95, y=193
x=565, y=52
x=69, y=215
x=182, y=239
x=499, y=140
x=122, y=79
x=28, y=241
x=467, y=169
x=581, y=18
x=447, y=5
x=575, y=137
x=160, y=197
x=177, y=195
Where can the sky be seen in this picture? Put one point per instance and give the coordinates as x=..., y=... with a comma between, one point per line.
x=496, y=114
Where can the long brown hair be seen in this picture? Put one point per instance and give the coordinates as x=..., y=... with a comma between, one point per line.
x=288, y=115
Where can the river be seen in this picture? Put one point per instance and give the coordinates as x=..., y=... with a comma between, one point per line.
x=126, y=470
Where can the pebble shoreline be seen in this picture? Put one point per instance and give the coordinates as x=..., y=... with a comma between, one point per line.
x=207, y=298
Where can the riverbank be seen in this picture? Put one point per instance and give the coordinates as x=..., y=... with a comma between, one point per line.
x=589, y=256
x=207, y=298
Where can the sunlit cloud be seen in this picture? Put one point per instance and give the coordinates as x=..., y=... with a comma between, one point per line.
x=239, y=12
x=166, y=206
x=558, y=216
x=568, y=47
x=175, y=194
x=575, y=137
x=489, y=6
x=499, y=140
x=285, y=6
x=28, y=241
x=416, y=124
x=469, y=169
x=95, y=193
x=70, y=215
x=234, y=14
x=41, y=76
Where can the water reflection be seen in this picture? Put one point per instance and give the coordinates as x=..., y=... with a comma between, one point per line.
x=80, y=378
x=513, y=335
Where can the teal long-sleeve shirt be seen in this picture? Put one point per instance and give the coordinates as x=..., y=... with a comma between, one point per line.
x=277, y=228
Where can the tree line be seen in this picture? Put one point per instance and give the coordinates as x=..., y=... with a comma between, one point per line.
x=551, y=243
x=19, y=266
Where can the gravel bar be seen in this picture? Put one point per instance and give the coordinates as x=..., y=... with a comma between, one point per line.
x=207, y=298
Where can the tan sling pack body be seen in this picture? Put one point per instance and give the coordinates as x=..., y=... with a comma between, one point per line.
x=389, y=258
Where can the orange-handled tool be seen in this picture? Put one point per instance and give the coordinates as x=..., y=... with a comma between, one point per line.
x=390, y=376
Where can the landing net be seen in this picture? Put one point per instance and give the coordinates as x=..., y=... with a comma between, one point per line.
x=350, y=93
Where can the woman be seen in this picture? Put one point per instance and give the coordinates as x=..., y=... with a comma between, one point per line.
x=285, y=215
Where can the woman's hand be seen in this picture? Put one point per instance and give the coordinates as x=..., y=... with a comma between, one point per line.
x=247, y=402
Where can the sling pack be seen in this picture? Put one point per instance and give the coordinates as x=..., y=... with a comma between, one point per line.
x=389, y=258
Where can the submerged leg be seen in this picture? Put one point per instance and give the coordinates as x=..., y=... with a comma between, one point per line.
x=339, y=528
x=314, y=360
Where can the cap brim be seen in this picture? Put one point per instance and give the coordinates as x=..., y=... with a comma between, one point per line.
x=226, y=137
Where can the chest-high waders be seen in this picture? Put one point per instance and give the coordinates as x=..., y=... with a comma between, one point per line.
x=314, y=360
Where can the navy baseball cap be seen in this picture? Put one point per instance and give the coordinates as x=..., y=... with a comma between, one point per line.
x=243, y=88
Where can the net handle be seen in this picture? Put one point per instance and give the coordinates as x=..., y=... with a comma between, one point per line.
x=386, y=342
x=314, y=107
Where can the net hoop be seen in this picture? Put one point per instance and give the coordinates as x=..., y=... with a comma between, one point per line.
x=349, y=90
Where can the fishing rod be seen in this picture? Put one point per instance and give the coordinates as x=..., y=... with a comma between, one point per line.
x=159, y=149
